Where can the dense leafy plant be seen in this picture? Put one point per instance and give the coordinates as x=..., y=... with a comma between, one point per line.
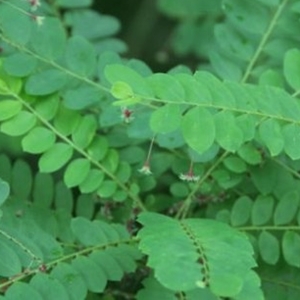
x=121, y=183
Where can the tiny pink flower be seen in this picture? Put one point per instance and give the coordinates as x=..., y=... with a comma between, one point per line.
x=189, y=176
x=38, y=19
x=145, y=169
x=34, y=4
x=127, y=115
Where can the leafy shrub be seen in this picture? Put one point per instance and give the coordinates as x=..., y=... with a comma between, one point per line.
x=121, y=183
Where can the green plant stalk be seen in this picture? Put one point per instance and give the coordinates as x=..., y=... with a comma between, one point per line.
x=264, y=40
x=20, y=245
x=136, y=200
x=50, y=265
x=270, y=227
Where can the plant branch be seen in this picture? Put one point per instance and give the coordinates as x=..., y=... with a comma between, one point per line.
x=268, y=227
x=264, y=40
x=134, y=197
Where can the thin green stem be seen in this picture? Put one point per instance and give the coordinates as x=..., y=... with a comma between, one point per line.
x=279, y=282
x=269, y=227
x=150, y=150
x=16, y=8
x=64, y=258
x=148, y=100
x=264, y=40
x=289, y=169
x=21, y=246
x=55, y=65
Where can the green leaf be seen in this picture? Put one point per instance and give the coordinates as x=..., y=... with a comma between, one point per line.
x=81, y=97
x=49, y=288
x=63, y=198
x=21, y=180
x=235, y=164
x=291, y=248
x=38, y=140
x=45, y=82
x=92, y=181
x=287, y=208
x=98, y=148
x=165, y=119
x=251, y=288
x=48, y=106
x=228, y=135
x=43, y=189
x=55, y=157
x=223, y=66
x=19, y=124
x=121, y=90
x=247, y=16
x=74, y=3
x=221, y=95
x=291, y=68
x=264, y=178
x=232, y=43
x=270, y=133
x=163, y=235
x=91, y=24
x=127, y=102
x=19, y=32
x=268, y=247
x=123, y=172
x=21, y=290
x=93, y=275
x=191, y=9
x=291, y=134
x=9, y=108
x=109, y=264
x=19, y=64
x=152, y=287
x=49, y=40
x=226, y=284
x=89, y=233
x=250, y=154
x=107, y=188
x=195, y=91
x=85, y=131
x=76, y=172
x=116, y=73
x=85, y=206
x=72, y=281
x=179, y=189
x=4, y=191
x=247, y=124
x=120, y=196
x=66, y=120
x=198, y=129
x=166, y=87
x=80, y=56
x=262, y=210
x=241, y=210
x=11, y=265
x=111, y=160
